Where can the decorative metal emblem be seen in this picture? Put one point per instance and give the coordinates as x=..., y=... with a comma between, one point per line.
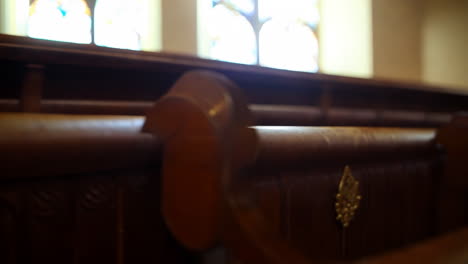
x=348, y=198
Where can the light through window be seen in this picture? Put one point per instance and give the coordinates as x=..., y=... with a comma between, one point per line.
x=120, y=23
x=232, y=26
x=274, y=33
x=117, y=23
x=60, y=20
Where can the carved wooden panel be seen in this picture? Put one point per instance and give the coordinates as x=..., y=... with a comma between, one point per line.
x=8, y=221
x=49, y=219
x=398, y=205
x=105, y=217
x=96, y=219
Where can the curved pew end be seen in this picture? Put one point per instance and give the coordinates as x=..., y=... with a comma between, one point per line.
x=201, y=121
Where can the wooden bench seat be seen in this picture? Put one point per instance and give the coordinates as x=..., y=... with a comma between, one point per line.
x=114, y=157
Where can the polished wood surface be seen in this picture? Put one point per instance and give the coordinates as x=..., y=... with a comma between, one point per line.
x=450, y=248
x=81, y=72
x=122, y=157
x=263, y=114
x=282, y=212
x=36, y=145
x=81, y=189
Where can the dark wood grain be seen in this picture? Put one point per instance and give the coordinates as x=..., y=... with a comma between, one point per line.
x=103, y=175
x=265, y=115
x=47, y=145
x=90, y=72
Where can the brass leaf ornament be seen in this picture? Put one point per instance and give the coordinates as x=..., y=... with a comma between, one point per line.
x=348, y=198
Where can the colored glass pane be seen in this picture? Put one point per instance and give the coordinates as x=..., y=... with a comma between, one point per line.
x=304, y=10
x=243, y=6
x=61, y=20
x=232, y=36
x=120, y=23
x=288, y=45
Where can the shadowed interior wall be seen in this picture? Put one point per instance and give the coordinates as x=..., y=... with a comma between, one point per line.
x=179, y=26
x=445, y=46
x=397, y=39
x=345, y=36
x=13, y=16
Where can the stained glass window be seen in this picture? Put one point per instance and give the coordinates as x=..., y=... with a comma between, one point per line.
x=288, y=45
x=62, y=20
x=231, y=27
x=274, y=33
x=117, y=23
x=120, y=23
x=243, y=6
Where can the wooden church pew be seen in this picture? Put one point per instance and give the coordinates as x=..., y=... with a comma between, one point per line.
x=89, y=187
x=275, y=203
x=94, y=172
x=263, y=114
